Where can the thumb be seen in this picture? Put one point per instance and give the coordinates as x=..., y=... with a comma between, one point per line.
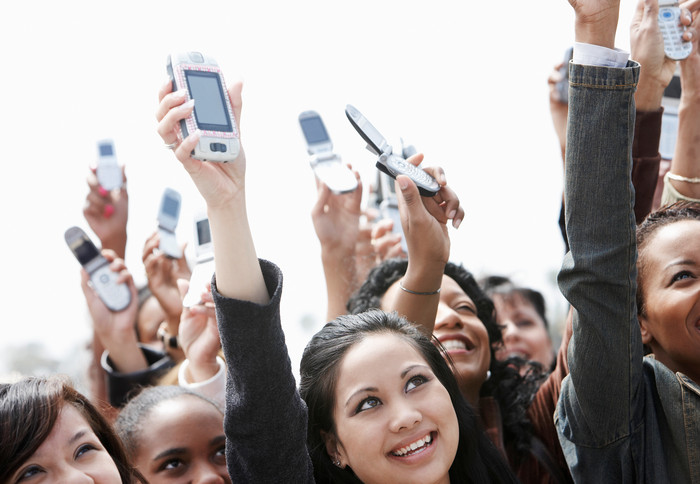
x=410, y=202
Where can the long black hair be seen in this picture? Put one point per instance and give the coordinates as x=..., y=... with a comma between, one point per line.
x=29, y=409
x=477, y=459
x=512, y=391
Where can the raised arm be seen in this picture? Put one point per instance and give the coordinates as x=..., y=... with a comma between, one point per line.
x=684, y=176
x=596, y=406
x=424, y=221
x=265, y=419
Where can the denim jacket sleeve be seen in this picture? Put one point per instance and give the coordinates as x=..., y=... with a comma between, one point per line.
x=601, y=402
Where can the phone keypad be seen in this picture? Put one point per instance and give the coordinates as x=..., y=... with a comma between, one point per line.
x=672, y=31
x=426, y=183
x=115, y=296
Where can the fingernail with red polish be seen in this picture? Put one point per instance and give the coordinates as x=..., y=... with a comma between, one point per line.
x=102, y=191
x=108, y=211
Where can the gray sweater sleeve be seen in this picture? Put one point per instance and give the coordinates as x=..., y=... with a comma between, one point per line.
x=265, y=420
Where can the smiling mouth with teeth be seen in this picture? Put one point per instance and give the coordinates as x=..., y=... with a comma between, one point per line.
x=456, y=345
x=414, y=448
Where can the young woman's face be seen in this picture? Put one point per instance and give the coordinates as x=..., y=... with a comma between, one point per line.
x=523, y=329
x=394, y=420
x=71, y=453
x=463, y=335
x=183, y=442
x=671, y=289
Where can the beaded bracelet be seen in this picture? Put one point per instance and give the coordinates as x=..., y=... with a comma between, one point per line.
x=416, y=292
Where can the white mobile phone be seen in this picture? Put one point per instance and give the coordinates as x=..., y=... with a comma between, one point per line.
x=103, y=280
x=203, y=269
x=168, y=216
x=109, y=174
x=562, y=86
x=672, y=30
x=389, y=162
x=327, y=165
x=201, y=77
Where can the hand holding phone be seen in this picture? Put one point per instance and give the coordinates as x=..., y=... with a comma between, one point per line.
x=672, y=30
x=116, y=296
x=168, y=216
x=327, y=165
x=200, y=76
x=388, y=162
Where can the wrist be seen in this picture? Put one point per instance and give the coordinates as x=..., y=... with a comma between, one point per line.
x=199, y=371
x=591, y=31
x=117, y=243
x=649, y=94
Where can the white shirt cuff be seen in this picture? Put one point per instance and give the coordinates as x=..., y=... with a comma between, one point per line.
x=596, y=55
x=214, y=388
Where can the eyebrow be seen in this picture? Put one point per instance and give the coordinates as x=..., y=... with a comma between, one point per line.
x=171, y=452
x=79, y=435
x=684, y=262
x=217, y=440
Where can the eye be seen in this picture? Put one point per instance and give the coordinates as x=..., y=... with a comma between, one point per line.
x=220, y=455
x=415, y=382
x=681, y=275
x=524, y=323
x=171, y=464
x=28, y=473
x=84, y=449
x=367, y=403
x=466, y=308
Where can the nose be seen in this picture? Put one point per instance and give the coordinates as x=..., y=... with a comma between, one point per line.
x=405, y=416
x=70, y=475
x=208, y=473
x=447, y=318
x=509, y=331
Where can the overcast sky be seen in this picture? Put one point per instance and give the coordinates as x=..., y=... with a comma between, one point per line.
x=464, y=83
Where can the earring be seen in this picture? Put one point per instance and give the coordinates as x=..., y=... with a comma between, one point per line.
x=488, y=374
x=336, y=462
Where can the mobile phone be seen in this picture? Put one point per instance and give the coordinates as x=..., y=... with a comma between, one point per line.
x=389, y=208
x=109, y=174
x=327, y=165
x=103, y=280
x=389, y=162
x=201, y=77
x=168, y=216
x=203, y=269
x=672, y=30
x=562, y=86
x=669, y=119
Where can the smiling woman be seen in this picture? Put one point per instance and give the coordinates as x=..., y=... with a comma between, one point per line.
x=49, y=433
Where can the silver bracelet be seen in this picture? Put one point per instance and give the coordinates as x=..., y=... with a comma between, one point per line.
x=416, y=292
x=673, y=176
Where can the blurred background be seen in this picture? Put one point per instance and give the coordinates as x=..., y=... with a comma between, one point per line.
x=465, y=86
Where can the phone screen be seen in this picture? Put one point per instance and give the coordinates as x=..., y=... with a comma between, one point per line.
x=106, y=149
x=209, y=101
x=203, y=232
x=314, y=130
x=170, y=206
x=84, y=250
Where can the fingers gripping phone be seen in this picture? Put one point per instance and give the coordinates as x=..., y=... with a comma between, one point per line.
x=672, y=30
x=201, y=77
x=204, y=263
x=389, y=162
x=109, y=174
x=103, y=280
x=168, y=216
x=327, y=165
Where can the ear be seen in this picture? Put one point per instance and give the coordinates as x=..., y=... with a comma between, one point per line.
x=334, y=449
x=644, y=326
